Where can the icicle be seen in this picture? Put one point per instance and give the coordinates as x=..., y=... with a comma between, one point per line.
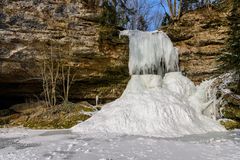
x=151, y=53
x=97, y=99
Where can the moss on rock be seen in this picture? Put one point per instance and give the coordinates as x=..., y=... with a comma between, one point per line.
x=230, y=124
x=57, y=117
x=231, y=113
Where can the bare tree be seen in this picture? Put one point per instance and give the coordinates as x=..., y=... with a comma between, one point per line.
x=68, y=74
x=68, y=67
x=133, y=14
x=180, y=9
x=50, y=77
x=177, y=7
x=174, y=7
x=58, y=73
x=169, y=2
x=144, y=14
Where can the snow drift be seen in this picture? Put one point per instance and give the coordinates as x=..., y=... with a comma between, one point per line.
x=155, y=102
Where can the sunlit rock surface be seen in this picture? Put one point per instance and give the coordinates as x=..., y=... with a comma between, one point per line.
x=201, y=36
x=28, y=29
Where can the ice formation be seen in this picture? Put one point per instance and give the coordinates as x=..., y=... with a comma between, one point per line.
x=158, y=101
x=151, y=53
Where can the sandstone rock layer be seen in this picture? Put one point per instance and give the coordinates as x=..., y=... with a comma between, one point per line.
x=28, y=29
x=201, y=36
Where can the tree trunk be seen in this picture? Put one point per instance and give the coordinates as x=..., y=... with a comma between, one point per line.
x=175, y=8
x=170, y=8
x=180, y=9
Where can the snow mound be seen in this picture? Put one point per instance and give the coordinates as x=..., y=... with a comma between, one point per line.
x=179, y=84
x=151, y=110
x=139, y=83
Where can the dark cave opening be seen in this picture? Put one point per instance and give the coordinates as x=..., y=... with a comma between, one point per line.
x=8, y=101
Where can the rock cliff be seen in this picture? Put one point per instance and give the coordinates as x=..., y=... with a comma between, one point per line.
x=28, y=29
x=201, y=36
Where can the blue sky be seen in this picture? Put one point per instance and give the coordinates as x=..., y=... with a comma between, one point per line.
x=157, y=8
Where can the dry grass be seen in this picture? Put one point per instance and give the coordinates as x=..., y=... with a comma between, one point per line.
x=38, y=116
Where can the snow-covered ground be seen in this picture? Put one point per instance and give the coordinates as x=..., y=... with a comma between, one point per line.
x=23, y=144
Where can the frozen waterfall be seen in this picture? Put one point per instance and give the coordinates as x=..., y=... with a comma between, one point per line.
x=151, y=53
x=158, y=101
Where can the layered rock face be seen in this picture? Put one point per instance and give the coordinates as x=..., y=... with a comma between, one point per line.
x=29, y=29
x=201, y=37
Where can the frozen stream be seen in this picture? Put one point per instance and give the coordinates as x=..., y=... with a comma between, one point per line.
x=22, y=144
